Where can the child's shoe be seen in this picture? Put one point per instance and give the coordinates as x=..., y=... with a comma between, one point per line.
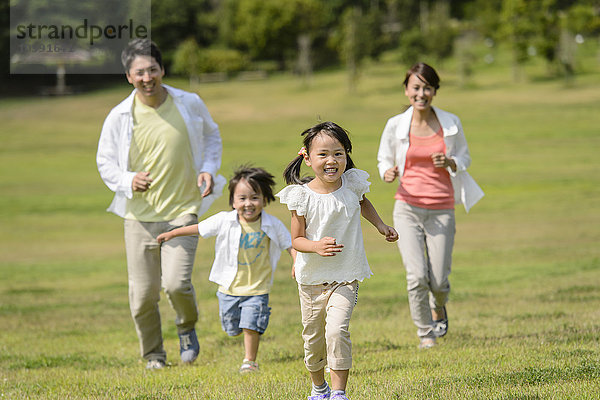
x=319, y=396
x=338, y=395
x=320, y=392
x=248, y=366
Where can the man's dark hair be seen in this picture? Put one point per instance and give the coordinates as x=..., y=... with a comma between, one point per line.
x=140, y=47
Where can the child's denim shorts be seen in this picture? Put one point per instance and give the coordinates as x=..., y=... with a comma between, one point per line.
x=243, y=312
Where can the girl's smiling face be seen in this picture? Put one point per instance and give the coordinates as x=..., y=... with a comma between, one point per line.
x=247, y=202
x=327, y=158
x=419, y=93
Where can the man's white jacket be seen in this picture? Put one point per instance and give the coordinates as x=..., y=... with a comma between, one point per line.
x=115, y=140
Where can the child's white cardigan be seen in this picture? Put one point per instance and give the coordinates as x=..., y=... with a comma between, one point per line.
x=226, y=227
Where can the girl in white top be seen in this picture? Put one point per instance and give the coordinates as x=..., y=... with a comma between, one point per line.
x=331, y=258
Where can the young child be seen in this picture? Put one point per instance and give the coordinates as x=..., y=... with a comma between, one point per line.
x=331, y=258
x=248, y=246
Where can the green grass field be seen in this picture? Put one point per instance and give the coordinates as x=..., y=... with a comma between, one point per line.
x=524, y=309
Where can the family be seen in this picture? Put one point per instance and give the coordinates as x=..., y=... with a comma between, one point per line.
x=160, y=151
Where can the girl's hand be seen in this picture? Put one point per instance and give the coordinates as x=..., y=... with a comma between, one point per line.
x=163, y=237
x=327, y=247
x=390, y=174
x=390, y=233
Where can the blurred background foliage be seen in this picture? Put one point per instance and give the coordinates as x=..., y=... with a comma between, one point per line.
x=302, y=36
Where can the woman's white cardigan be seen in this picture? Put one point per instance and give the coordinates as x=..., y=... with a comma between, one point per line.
x=395, y=142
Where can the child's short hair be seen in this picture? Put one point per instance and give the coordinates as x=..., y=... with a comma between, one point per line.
x=259, y=179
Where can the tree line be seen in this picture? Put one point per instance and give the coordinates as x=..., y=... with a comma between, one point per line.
x=204, y=36
x=228, y=36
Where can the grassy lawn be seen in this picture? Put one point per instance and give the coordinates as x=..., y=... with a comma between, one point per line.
x=524, y=309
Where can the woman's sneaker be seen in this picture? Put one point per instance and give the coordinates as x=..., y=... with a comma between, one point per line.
x=248, y=366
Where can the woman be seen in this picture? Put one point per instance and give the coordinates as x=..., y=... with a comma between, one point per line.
x=425, y=148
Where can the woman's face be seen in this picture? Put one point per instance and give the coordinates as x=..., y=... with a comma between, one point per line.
x=419, y=93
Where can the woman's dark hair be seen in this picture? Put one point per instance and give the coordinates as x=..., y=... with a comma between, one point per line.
x=259, y=179
x=292, y=171
x=140, y=47
x=425, y=73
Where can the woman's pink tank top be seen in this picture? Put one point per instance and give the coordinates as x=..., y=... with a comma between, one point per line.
x=422, y=184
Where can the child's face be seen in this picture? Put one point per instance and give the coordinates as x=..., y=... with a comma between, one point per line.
x=247, y=202
x=327, y=158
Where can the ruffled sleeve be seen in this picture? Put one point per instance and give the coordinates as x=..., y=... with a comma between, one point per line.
x=356, y=181
x=295, y=197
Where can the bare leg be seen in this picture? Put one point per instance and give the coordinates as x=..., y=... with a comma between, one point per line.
x=318, y=378
x=436, y=316
x=251, y=342
x=339, y=379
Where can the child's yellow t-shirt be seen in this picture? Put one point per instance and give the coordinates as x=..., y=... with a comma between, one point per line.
x=160, y=145
x=254, y=268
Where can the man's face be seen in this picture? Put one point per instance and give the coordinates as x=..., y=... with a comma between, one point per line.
x=146, y=76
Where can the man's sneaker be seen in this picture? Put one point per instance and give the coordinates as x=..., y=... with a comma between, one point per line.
x=248, y=366
x=319, y=396
x=155, y=364
x=440, y=326
x=427, y=343
x=188, y=346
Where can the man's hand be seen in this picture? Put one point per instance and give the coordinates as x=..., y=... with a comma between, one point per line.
x=207, y=179
x=141, y=182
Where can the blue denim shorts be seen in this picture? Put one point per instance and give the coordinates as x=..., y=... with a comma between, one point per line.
x=243, y=312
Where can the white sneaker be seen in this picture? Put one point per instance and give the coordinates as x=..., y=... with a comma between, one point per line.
x=427, y=343
x=155, y=364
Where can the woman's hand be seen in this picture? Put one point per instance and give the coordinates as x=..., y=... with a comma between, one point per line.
x=441, y=161
x=390, y=174
x=327, y=247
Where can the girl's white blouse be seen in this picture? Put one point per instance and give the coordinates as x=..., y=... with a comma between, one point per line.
x=336, y=214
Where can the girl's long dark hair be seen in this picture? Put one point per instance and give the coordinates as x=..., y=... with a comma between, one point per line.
x=292, y=171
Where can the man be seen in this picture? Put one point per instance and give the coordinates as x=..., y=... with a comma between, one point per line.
x=159, y=151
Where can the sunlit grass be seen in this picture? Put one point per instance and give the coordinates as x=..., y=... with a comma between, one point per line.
x=524, y=319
